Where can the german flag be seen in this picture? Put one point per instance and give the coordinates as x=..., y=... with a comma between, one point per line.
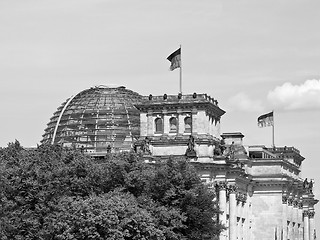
x=265, y=120
x=175, y=59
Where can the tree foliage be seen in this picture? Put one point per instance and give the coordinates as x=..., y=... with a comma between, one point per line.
x=56, y=193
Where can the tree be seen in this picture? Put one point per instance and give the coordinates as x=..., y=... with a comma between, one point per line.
x=177, y=184
x=57, y=193
x=115, y=215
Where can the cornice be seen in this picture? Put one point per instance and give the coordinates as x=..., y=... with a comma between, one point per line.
x=189, y=105
x=272, y=182
x=279, y=178
x=273, y=161
x=180, y=139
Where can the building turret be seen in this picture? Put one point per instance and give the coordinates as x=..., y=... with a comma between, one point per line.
x=180, y=125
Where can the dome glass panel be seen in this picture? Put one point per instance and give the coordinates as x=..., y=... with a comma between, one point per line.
x=96, y=120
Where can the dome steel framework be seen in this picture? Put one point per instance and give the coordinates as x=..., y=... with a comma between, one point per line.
x=97, y=120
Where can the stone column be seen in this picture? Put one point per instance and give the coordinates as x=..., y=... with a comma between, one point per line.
x=290, y=217
x=300, y=217
x=241, y=200
x=246, y=215
x=311, y=224
x=306, y=225
x=194, y=117
x=232, y=213
x=180, y=123
x=166, y=125
x=210, y=120
x=222, y=187
x=284, y=216
x=150, y=129
x=295, y=219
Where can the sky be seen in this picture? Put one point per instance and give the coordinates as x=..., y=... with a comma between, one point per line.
x=252, y=56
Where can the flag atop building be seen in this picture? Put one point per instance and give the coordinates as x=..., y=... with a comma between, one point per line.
x=266, y=120
x=175, y=59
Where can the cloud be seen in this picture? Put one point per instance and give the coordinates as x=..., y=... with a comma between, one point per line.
x=242, y=102
x=296, y=97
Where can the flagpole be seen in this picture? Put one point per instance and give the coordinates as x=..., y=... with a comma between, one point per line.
x=180, y=83
x=273, y=129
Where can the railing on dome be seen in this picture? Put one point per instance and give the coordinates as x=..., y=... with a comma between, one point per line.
x=112, y=85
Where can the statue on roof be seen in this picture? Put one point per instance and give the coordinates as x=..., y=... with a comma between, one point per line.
x=190, y=152
x=229, y=152
x=308, y=186
x=219, y=148
x=145, y=147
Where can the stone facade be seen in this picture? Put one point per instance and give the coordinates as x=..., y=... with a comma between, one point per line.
x=260, y=191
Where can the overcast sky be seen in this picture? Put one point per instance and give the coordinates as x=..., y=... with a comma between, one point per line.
x=253, y=56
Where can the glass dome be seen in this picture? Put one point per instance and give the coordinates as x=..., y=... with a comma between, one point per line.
x=97, y=120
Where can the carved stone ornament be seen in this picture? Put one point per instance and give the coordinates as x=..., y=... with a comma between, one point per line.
x=219, y=148
x=308, y=186
x=241, y=197
x=221, y=186
x=232, y=189
x=295, y=203
x=311, y=214
x=300, y=205
x=290, y=201
x=229, y=152
x=190, y=152
x=305, y=213
x=145, y=147
x=284, y=199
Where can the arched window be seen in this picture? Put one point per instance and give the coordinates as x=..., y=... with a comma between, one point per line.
x=173, y=124
x=159, y=125
x=187, y=124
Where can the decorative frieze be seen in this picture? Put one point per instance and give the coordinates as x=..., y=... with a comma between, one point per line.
x=300, y=205
x=295, y=203
x=290, y=201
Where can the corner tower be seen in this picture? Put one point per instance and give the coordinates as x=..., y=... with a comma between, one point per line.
x=180, y=125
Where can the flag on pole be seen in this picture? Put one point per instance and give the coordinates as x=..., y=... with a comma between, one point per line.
x=265, y=120
x=175, y=59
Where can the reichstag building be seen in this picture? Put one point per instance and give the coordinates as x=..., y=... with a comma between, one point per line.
x=260, y=191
